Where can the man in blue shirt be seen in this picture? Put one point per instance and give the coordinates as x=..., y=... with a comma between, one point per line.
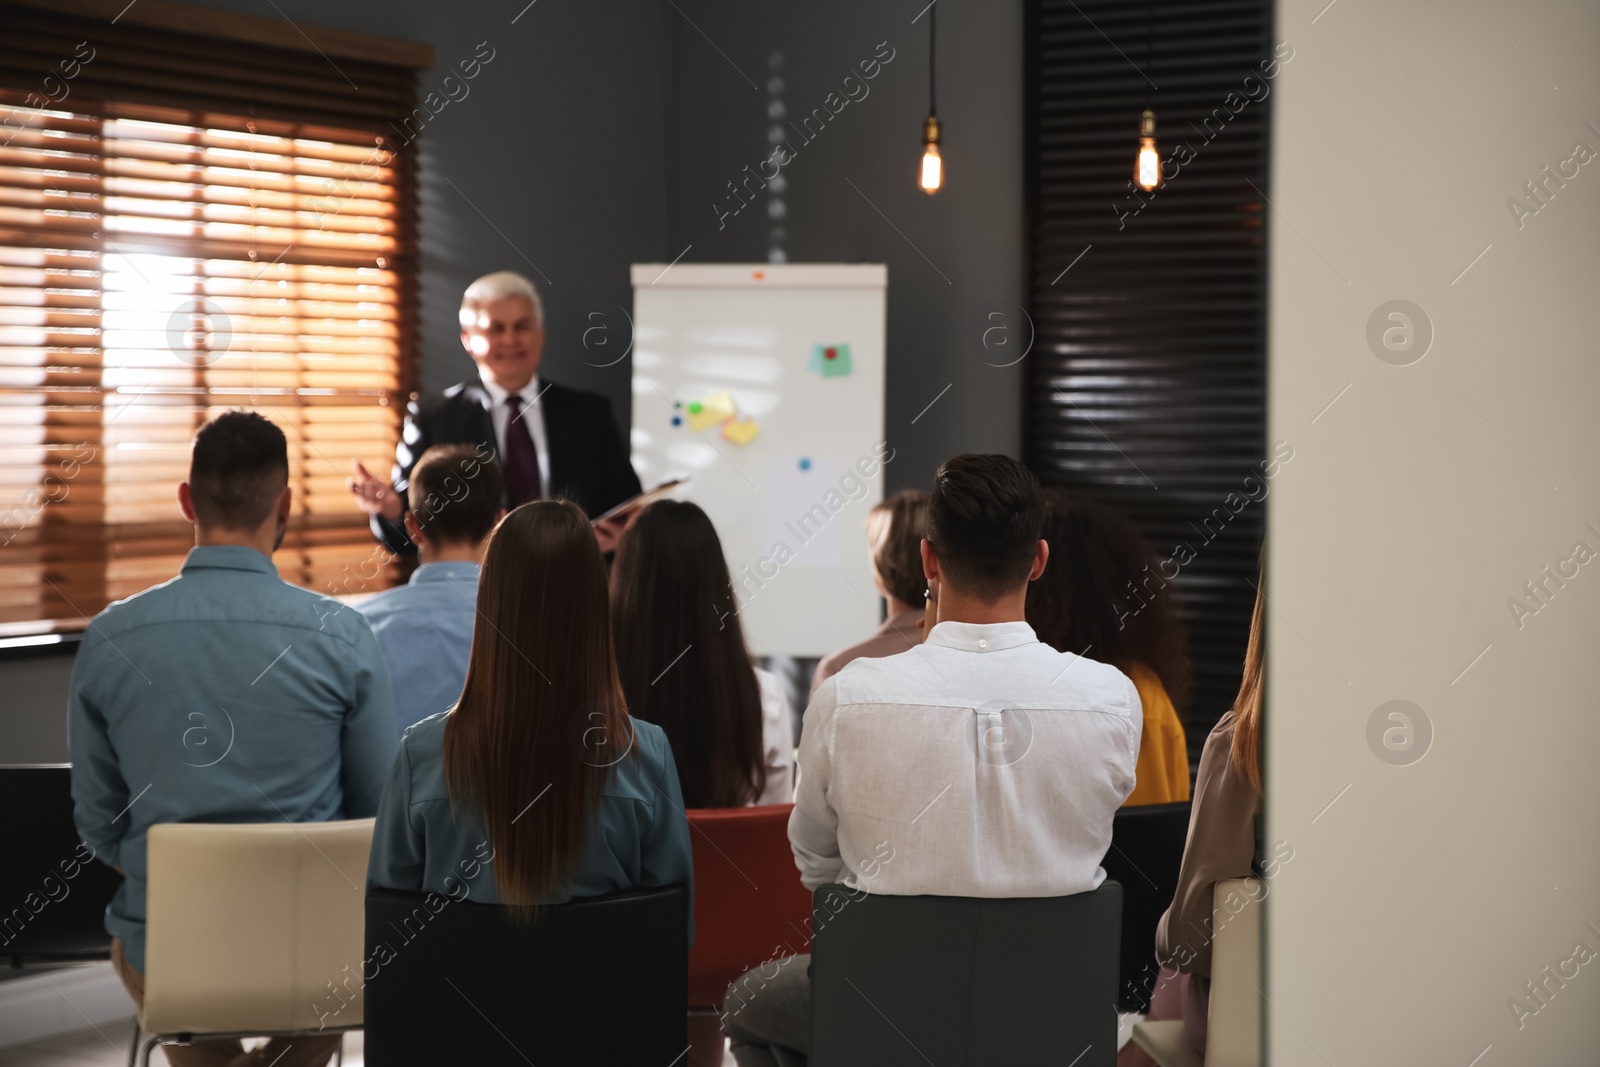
x=425, y=626
x=224, y=695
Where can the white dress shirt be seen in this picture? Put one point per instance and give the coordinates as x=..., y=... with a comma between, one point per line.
x=532, y=419
x=777, y=740
x=981, y=763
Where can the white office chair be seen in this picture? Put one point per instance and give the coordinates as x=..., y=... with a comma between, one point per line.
x=254, y=930
x=1233, y=1021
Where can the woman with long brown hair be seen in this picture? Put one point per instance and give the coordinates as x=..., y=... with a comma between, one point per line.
x=538, y=775
x=684, y=665
x=1223, y=843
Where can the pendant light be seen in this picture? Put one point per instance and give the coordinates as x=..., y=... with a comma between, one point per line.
x=931, y=177
x=1147, y=165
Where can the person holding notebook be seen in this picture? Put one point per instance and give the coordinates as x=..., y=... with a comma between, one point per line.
x=551, y=440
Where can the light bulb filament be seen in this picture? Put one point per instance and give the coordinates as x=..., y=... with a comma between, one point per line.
x=1147, y=171
x=932, y=170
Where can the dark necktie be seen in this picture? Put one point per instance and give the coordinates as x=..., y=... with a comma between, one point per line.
x=522, y=458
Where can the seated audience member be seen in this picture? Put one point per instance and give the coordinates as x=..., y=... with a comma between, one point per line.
x=684, y=666
x=1103, y=596
x=425, y=626
x=894, y=532
x=224, y=695
x=537, y=774
x=1222, y=844
x=993, y=761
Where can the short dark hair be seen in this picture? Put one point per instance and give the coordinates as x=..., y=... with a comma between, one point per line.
x=455, y=493
x=984, y=518
x=237, y=467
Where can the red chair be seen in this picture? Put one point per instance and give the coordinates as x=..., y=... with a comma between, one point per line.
x=749, y=905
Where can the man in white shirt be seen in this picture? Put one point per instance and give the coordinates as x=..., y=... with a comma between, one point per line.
x=981, y=763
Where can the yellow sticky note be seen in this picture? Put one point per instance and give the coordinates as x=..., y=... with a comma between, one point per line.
x=704, y=414
x=740, y=431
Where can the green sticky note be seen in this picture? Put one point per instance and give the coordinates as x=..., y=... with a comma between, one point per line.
x=830, y=361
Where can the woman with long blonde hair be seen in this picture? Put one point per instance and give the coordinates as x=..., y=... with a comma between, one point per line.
x=1223, y=843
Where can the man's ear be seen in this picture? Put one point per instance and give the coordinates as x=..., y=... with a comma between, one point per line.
x=413, y=529
x=285, y=499
x=1041, y=556
x=186, y=502
x=930, y=562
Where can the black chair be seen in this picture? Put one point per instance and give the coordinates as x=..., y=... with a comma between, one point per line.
x=964, y=981
x=1146, y=851
x=600, y=980
x=55, y=891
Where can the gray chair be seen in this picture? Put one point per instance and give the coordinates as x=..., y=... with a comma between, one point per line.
x=965, y=981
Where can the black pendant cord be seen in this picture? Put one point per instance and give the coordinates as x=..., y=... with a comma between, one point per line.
x=1149, y=22
x=933, y=25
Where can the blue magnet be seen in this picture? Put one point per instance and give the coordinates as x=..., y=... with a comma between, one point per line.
x=805, y=464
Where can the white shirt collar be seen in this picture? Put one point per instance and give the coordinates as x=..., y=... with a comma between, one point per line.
x=497, y=396
x=982, y=637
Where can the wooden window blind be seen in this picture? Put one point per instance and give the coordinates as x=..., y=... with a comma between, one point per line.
x=189, y=225
x=1146, y=386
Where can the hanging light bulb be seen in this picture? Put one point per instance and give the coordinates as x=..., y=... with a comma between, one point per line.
x=932, y=176
x=1147, y=168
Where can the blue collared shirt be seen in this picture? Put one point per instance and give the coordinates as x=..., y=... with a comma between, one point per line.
x=425, y=630
x=225, y=695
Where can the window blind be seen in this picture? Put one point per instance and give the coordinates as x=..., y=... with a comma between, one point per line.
x=188, y=226
x=1146, y=386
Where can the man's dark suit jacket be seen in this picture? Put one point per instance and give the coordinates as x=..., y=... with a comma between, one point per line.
x=588, y=456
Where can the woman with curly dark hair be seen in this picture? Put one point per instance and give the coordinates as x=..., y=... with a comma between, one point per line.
x=1103, y=596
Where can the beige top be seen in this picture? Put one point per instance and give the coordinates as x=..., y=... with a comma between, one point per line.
x=1221, y=845
x=897, y=634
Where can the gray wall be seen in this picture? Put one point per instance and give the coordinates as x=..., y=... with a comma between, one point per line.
x=33, y=714
x=851, y=192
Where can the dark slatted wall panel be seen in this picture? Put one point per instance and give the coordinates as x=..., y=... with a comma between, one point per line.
x=1147, y=386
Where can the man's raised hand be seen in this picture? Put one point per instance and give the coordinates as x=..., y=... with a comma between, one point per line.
x=373, y=495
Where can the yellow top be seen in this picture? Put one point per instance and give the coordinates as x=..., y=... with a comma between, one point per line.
x=1162, y=773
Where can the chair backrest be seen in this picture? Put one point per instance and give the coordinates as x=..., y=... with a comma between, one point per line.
x=749, y=904
x=56, y=890
x=252, y=927
x=594, y=980
x=964, y=981
x=1145, y=854
x=1233, y=1025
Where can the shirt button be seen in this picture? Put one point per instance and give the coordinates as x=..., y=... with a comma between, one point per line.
x=982, y=643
